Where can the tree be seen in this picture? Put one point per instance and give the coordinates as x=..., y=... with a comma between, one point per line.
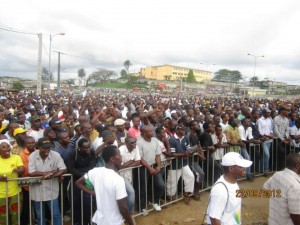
x=126, y=65
x=70, y=81
x=123, y=73
x=100, y=76
x=81, y=74
x=254, y=79
x=190, y=77
x=131, y=80
x=232, y=76
x=17, y=85
x=45, y=75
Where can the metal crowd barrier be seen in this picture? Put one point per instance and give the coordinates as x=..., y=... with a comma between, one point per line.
x=255, y=152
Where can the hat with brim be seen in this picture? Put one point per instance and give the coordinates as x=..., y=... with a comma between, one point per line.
x=235, y=159
x=44, y=143
x=19, y=131
x=56, y=120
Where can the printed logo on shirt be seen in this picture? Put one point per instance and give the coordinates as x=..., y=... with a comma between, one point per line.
x=237, y=217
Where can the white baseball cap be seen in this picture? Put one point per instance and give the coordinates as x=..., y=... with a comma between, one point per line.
x=119, y=122
x=235, y=159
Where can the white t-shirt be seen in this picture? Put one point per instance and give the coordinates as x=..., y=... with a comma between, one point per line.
x=218, y=154
x=127, y=156
x=109, y=187
x=229, y=213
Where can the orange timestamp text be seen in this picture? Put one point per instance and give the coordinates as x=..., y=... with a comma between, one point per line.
x=258, y=193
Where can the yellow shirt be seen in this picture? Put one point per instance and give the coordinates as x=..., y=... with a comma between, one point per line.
x=2, y=127
x=6, y=167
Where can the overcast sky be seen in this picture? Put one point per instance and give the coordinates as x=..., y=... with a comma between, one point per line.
x=190, y=33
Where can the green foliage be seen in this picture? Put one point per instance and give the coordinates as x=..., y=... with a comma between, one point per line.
x=123, y=73
x=70, y=81
x=232, y=76
x=18, y=86
x=126, y=65
x=131, y=81
x=81, y=73
x=45, y=75
x=254, y=79
x=99, y=76
x=190, y=77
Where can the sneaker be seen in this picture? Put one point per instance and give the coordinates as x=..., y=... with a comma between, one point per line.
x=145, y=212
x=67, y=218
x=156, y=207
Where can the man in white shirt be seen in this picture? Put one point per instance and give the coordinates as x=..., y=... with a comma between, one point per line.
x=224, y=206
x=112, y=208
x=130, y=158
x=245, y=132
x=265, y=128
x=295, y=135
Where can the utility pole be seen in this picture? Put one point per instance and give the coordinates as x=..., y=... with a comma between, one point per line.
x=39, y=70
x=58, y=74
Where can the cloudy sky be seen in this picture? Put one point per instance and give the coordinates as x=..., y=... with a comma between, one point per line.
x=208, y=35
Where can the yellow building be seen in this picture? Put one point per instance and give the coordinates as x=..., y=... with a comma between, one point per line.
x=169, y=72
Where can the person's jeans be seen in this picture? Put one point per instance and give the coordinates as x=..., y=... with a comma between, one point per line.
x=266, y=156
x=245, y=155
x=159, y=187
x=54, y=208
x=130, y=196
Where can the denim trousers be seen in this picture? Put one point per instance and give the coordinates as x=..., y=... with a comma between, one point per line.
x=130, y=196
x=246, y=155
x=266, y=156
x=39, y=208
x=155, y=181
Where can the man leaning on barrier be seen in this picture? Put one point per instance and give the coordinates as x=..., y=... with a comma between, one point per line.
x=50, y=166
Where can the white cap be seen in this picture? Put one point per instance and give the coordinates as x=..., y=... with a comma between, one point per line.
x=235, y=159
x=119, y=122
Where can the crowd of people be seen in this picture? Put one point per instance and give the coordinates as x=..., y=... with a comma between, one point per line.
x=153, y=139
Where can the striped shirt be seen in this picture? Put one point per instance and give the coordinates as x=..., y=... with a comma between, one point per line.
x=286, y=183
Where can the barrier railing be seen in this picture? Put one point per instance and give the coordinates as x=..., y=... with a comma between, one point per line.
x=144, y=191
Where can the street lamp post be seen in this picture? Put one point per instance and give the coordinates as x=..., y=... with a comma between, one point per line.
x=49, y=66
x=255, y=58
x=207, y=65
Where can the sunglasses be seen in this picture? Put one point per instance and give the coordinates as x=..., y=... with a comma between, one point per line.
x=132, y=142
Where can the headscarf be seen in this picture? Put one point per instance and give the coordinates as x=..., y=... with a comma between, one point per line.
x=6, y=141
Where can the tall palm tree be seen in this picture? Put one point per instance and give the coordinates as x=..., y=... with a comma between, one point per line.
x=126, y=65
x=81, y=74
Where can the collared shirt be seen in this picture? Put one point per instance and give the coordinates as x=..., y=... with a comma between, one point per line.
x=232, y=135
x=245, y=134
x=265, y=126
x=127, y=156
x=178, y=145
x=281, y=127
x=48, y=189
x=286, y=197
